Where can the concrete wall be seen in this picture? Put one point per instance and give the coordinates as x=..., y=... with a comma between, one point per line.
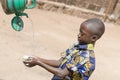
x=96, y=5
x=79, y=12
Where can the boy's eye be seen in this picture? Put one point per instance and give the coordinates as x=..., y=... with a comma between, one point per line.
x=80, y=34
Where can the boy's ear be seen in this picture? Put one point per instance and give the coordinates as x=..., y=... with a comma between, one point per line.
x=94, y=38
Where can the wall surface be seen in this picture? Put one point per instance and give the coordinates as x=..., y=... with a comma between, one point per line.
x=96, y=5
x=101, y=12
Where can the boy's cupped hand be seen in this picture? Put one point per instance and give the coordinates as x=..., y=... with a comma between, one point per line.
x=30, y=61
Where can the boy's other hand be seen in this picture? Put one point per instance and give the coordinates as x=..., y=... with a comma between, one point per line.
x=31, y=61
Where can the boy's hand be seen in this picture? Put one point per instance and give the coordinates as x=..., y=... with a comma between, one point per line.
x=30, y=61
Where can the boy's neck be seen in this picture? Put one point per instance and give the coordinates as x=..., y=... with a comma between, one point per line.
x=89, y=46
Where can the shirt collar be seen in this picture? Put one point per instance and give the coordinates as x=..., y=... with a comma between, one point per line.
x=84, y=46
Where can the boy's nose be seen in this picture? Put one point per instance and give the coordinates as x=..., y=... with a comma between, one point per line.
x=79, y=35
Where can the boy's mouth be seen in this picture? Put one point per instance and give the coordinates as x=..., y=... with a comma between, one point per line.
x=79, y=39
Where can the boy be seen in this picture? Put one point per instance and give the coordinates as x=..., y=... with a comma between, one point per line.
x=77, y=62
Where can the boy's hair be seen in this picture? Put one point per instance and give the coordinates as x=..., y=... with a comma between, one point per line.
x=96, y=26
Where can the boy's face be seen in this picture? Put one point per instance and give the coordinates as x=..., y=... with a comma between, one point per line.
x=84, y=36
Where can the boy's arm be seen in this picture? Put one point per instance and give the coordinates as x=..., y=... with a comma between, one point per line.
x=57, y=71
x=54, y=63
x=48, y=66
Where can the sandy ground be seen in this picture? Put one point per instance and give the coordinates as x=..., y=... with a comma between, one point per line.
x=46, y=34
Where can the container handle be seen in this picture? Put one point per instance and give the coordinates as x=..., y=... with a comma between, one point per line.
x=32, y=5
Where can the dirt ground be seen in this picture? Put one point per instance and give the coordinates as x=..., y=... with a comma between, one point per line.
x=46, y=34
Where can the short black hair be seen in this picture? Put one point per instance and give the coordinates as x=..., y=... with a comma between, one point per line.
x=96, y=26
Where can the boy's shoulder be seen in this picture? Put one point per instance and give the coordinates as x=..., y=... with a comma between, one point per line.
x=77, y=48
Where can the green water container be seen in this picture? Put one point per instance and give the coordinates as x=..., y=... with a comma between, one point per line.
x=17, y=7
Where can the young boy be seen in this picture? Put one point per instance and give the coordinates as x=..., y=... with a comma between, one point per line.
x=77, y=62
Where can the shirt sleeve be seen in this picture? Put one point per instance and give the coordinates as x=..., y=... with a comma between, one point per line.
x=67, y=52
